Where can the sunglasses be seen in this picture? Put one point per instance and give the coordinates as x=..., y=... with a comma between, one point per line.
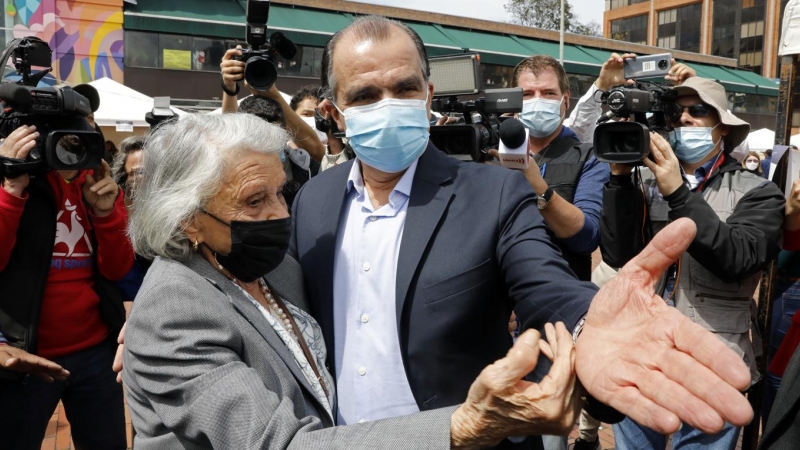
x=673, y=111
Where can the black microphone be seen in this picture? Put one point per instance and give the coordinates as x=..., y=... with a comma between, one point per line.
x=513, y=151
x=18, y=97
x=512, y=133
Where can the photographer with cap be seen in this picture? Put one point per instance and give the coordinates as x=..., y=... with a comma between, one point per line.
x=63, y=243
x=739, y=217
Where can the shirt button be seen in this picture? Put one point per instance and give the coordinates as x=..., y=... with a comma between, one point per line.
x=372, y=218
x=365, y=318
x=362, y=371
x=366, y=267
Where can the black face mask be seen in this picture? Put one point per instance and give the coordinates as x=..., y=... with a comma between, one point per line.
x=257, y=247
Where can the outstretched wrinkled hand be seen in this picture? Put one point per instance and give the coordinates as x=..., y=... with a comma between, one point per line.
x=649, y=361
x=613, y=72
x=18, y=360
x=502, y=403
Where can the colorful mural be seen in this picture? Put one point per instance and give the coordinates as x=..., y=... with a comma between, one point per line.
x=86, y=36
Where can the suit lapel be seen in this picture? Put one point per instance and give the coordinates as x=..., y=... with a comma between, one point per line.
x=250, y=312
x=787, y=398
x=325, y=251
x=431, y=193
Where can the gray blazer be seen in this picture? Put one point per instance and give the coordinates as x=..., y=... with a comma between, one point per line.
x=203, y=369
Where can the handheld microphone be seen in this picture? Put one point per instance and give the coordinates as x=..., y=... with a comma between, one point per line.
x=513, y=149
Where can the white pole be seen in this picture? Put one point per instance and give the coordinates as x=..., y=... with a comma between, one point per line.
x=561, y=37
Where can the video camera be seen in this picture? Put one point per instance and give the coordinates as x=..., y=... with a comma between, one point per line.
x=479, y=129
x=66, y=140
x=259, y=70
x=629, y=142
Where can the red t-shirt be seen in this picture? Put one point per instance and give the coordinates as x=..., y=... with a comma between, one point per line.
x=70, y=320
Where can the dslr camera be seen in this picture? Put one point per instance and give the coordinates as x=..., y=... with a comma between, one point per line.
x=478, y=128
x=66, y=140
x=259, y=70
x=629, y=142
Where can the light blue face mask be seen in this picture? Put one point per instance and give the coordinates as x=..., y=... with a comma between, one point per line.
x=692, y=144
x=541, y=116
x=388, y=135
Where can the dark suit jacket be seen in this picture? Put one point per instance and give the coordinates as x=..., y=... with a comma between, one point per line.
x=474, y=248
x=782, y=431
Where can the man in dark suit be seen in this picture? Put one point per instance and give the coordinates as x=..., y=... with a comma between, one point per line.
x=782, y=431
x=414, y=261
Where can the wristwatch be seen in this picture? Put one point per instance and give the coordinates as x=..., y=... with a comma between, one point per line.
x=544, y=199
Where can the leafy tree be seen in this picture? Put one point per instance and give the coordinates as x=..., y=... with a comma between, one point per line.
x=546, y=14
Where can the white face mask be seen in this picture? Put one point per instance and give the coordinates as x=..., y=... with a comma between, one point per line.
x=323, y=137
x=751, y=165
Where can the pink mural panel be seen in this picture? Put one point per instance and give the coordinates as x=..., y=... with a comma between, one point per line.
x=86, y=36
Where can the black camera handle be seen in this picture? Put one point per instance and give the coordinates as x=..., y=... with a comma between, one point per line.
x=13, y=167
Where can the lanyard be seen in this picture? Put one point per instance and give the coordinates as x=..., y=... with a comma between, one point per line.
x=716, y=165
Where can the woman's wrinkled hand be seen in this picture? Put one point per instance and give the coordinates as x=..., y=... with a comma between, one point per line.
x=502, y=403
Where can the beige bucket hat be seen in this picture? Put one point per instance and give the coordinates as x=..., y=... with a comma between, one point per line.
x=713, y=94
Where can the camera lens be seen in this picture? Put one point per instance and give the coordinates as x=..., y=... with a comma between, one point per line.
x=663, y=64
x=260, y=73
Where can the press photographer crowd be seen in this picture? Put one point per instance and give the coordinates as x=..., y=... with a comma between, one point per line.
x=380, y=263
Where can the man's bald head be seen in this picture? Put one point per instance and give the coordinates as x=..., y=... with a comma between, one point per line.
x=367, y=28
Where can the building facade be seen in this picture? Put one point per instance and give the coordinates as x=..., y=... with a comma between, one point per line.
x=85, y=35
x=744, y=30
x=173, y=48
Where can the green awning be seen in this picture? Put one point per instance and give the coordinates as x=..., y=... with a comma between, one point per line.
x=436, y=42
x=226, y=19
x=576, y=59
x=765, y=85
x=730, y=81
x=493, y=48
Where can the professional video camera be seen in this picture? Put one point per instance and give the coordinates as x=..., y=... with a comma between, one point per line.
x=629, y=142
x=66, y=140
x=478, y=129
x=259, y=70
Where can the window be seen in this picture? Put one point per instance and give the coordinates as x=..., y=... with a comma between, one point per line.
x=178, y=52
x=679, y=28
x=632, y=29
x=141, y=49
x=496, y=77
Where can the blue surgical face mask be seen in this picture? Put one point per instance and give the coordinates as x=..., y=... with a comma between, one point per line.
x=541, y=116
x=388, y=135
x=692, y=144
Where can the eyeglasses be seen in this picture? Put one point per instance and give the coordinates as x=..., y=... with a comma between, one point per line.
x=673, y=111
x=752, y=161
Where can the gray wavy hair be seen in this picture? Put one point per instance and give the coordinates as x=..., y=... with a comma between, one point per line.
x=184, y=164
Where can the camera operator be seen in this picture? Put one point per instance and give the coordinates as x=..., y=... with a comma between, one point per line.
x=53, y=295
x=739, y=218
x=308, y=103
x=564, y=173
x=233, y=71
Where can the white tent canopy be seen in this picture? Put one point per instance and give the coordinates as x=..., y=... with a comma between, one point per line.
x=761, y=140
x=119, y=103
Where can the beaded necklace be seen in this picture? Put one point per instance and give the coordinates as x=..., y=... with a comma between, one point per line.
x=279, y=310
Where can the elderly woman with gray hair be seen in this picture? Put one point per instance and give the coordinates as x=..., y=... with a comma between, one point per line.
x=220, y=350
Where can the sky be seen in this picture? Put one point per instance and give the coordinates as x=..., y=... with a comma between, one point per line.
x=586, y=10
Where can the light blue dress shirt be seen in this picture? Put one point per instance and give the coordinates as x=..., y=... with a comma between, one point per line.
x=370, y=377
